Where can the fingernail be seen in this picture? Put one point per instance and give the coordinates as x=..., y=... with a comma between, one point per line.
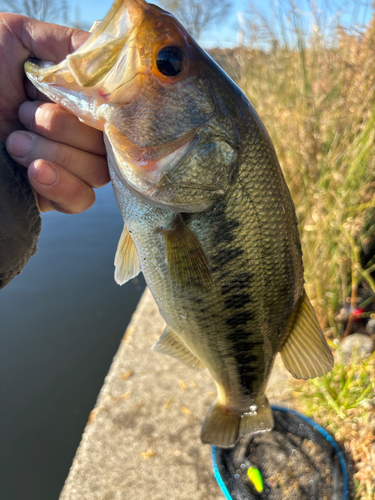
x=26, y=113
x=44, y=173
x=19, y=144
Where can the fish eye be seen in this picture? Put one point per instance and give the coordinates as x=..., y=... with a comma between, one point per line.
x=170, y=61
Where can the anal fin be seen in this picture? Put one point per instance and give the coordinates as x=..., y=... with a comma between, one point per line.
x=126, y=259
x=170, y=343
x=305, y=352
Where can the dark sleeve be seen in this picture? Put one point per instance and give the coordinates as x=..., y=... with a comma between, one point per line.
x=20, y=222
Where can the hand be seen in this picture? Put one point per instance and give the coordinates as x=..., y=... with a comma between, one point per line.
x=65, y=158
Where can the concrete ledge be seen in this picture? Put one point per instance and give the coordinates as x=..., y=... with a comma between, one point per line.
x=142, y=438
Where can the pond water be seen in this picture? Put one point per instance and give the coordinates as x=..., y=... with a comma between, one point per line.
x=61, y=322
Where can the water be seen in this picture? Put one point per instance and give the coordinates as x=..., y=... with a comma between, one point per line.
x=61, y=322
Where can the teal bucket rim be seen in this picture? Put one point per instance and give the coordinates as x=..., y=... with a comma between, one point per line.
x=315, y=426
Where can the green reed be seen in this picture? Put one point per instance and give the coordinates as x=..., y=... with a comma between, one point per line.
x=314, y=89
x=312, y=83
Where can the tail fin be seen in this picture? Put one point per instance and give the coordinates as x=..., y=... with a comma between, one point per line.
x=220, y=428
x=258, y=419
x=223, y=429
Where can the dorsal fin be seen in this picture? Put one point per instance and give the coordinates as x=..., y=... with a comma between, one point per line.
x=306, y=353
x=126, y=259
x=171, y=344
x=187, y=262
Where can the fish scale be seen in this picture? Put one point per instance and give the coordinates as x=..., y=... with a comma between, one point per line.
x=142, y=111
x=239, y=309
x=207, y=214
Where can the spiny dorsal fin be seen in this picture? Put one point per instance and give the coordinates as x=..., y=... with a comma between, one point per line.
x=126, y=259
x=187, y=262
x=306, y=353
x=170, y=343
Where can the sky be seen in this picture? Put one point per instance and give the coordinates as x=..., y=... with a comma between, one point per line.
x=226, y=33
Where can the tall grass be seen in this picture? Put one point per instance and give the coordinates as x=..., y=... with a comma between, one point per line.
x=343, y=402
x=312, y=82
x=313, y=85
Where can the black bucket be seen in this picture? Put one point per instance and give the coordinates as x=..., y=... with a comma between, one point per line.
x=297, y=460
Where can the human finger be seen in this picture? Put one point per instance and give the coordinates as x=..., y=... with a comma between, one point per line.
x=57, y=124
x=25, y=147
x=20, y=38
x=50, y=42
x=58, y=189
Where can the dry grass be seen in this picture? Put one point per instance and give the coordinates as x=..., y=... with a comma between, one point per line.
x=343, y=402
x=318, y=104
x=314, y=89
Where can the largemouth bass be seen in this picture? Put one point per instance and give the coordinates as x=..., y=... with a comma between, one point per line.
x=207, y=214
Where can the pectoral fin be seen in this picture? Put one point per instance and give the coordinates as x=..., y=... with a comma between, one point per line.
x=126, y=259
x=306, y=353
x=170, y=343
x=187, y=262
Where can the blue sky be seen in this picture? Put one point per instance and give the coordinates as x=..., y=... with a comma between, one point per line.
x=225, y=34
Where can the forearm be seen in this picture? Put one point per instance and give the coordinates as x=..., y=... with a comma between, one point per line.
x=20, y=222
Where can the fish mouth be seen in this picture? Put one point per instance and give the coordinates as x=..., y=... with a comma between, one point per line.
x=107, y=73
x=114, y=79
x=93, y=106
x=55, y=81
x=90, y=81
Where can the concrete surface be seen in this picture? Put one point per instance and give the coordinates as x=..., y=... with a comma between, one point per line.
x=142, y=441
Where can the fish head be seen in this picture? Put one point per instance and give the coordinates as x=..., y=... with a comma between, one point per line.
x=168, y=112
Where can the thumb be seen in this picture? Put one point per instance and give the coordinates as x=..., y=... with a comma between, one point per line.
x=47, y=41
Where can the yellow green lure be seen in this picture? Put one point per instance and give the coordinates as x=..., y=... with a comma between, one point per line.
x=255, y=478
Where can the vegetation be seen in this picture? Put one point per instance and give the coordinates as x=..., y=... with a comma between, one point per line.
x=312, y=82
x=315, y=94
x=44, y=10
x=56, y=11
x=344, y=403
x=198, y=15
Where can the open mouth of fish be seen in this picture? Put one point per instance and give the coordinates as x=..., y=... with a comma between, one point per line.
x=107, y=73
x=142, y=168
